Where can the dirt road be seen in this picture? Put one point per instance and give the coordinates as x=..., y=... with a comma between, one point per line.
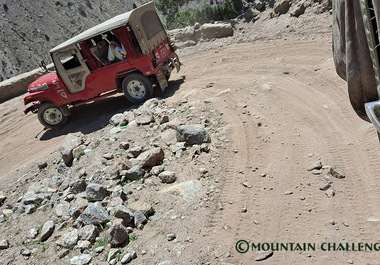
x=286, y=109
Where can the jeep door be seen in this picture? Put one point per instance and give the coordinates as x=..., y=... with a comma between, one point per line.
x=71, y=67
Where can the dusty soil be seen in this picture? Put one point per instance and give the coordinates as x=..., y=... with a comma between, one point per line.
x=286, y=109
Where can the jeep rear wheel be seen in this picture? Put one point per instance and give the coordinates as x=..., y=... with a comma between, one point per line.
x=50, y=115
x=137, y=88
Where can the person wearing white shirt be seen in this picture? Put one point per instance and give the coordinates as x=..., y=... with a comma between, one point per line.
x=116, y=52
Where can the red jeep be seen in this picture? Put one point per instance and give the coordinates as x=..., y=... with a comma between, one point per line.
x=129, y=53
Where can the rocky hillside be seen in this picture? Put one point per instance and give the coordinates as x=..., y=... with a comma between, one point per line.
x=102, y=193
x=29, y=29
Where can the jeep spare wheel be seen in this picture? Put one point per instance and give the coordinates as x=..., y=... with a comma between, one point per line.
x=137, y=88
x=50, y=115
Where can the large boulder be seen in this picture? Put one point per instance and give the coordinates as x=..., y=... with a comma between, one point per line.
x=88, y=233
x=282, y=7
x=47, y=230
x=134, y=173
x=117, y=233
x=70, y=142
x=96, y=192
x=192, y=134
x=124, y=213
x=94, y=214
x=149, y=158
x=211, y=31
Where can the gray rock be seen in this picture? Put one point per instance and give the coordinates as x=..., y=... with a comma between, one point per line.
x=4, y=244
x=282, y=7
x=139, y=219
x=210, y=31
x=127, y=258
x=113, y=252
x=124, y=145
x=76, y=211
x=117, y=233
x=2, y=197
x=25, y=252
x=171, y=237
x=141, y=206
x=83, y=245
x=188, y=190
x=99, y=249
x=33, y=198
x=157, y=170
x=330, y=193
x=56, y=182
x=134, y=173
x=32, y=233
x=260, y=5
x=62, y=209
x=78, y=186
x=337, y=172
x=81, y=259
x=136, y=151
x=96, y=192
x=29, y=209
x=144, y=118
x=164, y=119
x=117, y=119
x=325, y=187
x=69, y=143
x=94, y=214
x=69, y=239
x=298, y=10
x=47, y=230
x=149, y=158
x=42, y=164
x=88, y=233
x=263, y=255
x=192, y=134
x=19, y=209
x=317, y=165
x=167, y=177
x=63, y=253
x=108, y=156
x=124, y=213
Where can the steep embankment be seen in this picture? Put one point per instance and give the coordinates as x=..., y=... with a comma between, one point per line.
x=29, y=29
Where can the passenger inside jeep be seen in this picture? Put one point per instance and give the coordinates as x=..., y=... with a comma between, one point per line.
x=116, y=52
x=107, y=48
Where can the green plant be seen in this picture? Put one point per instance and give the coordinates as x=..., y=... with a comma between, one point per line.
x=176, y=19
x=133, y=237
x=106, y=256
x=101, y=243
x=118, y=255
x=125, y=182
x=45, y=246
x=78, y=155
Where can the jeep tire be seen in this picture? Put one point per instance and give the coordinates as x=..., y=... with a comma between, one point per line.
x=51, y=116
x=137, y=88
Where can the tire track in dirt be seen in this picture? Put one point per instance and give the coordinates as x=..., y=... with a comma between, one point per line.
x=311, y=120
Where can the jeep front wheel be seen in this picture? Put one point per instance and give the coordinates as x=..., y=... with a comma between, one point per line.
x=137, y=88
x=50, y=115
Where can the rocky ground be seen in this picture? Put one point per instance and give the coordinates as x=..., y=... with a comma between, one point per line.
x=279, y=156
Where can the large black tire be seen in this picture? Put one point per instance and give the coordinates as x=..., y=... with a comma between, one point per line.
x=51, y=116
x=137, y=88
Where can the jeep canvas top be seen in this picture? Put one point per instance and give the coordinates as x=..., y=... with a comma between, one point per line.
x=130, y=53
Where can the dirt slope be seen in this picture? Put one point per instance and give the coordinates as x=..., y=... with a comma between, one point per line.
x=286, y=109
